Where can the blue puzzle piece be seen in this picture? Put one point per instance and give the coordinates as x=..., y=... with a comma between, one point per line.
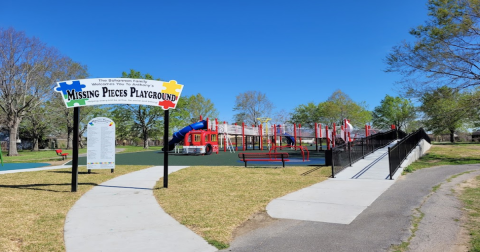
x=64, y=87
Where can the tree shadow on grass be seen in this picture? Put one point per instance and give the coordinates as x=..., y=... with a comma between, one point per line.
x=37, y=187
x=70, y=172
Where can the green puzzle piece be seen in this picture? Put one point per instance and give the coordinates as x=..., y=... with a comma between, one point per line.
x=79, y=102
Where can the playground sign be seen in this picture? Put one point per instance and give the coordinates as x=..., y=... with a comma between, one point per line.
x=101, y=143
x=87, y=92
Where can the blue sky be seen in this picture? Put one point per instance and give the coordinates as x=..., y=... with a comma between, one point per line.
x=294, y=51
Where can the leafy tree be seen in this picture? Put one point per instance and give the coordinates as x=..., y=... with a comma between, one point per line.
x=308, y=114
x=27, y=71
x=147, y=120
x=250, y=106
x=394, y=110
x=445, y=109
x=199, y=106
x=445, y=51
x=340, y=106
x=37, y=124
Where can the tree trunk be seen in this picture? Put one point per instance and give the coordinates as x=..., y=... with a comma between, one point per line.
x=69, y=136
x=452, y=136
x=145, y=139
x=12, y=150
x=35, y=144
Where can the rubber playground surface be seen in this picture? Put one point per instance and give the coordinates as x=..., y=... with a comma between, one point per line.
x=19, y=166
x=155, y=158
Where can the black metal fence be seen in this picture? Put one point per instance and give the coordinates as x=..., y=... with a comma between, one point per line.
x=347, y=154
x=398, y=153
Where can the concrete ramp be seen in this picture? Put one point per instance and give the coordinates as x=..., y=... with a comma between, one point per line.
x=335, y=200
x=341, y=199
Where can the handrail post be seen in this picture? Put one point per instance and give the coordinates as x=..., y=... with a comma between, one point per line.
x=349, y=153
x=389, y=164
x=363, y=151
x=333, y=165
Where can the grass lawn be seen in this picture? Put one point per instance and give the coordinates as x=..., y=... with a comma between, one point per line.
x=457, y=154
x=49, y=156
x=34, y=205
x=213, y=201
x=448, y=154
x=43, y=156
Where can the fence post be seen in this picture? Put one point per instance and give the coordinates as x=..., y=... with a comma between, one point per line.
x=389, y=164
x=333, y=162
x=363, y=151
x=349, y=153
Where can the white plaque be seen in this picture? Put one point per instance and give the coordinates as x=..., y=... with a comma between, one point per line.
x=101, y=143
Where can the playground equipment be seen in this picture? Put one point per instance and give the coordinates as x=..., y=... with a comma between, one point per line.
x=200, y=138
x=206, y=137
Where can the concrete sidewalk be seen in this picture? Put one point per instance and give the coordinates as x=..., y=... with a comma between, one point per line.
x=122, y=214
x=341, y=199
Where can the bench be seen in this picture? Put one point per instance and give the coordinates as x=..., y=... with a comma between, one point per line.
x=60, y=153
x=267, y=157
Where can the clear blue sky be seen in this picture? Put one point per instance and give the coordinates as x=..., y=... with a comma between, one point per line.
x=294, y=51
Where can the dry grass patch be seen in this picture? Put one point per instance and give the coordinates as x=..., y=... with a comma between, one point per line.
x=34, y=205
x=213, y=201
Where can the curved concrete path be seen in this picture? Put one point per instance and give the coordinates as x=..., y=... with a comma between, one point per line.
x=122, y=214
x=385, y=222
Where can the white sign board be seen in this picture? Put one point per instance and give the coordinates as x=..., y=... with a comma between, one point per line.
x=86, y=92
x=101, y=143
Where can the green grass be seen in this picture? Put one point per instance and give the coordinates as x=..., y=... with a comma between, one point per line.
x=448, y=154
x=43, y=156
x=130, y=148
x=213, y=201
x=48, y=156
x=471, y=200
x=34, y=205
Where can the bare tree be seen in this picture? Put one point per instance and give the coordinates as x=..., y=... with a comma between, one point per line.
x=69, y=70
x=250, y=106
x=27, y=73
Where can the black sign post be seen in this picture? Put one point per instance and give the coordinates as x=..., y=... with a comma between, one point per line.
x=165, y=150
x=76, y=116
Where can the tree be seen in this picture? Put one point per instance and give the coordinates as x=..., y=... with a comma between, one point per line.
x=27, y=73
x=307, y=115
x=250, y=106
x=340, y=106
x=445, y=51
x=199, y=106
x=446, y=110
x=146, y=119
x=394, y=110
x=70, y=70
x=37, y=125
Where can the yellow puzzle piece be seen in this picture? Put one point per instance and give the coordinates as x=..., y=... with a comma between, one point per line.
x=171, y=87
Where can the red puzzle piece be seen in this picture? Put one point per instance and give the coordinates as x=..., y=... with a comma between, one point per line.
x=166, y=104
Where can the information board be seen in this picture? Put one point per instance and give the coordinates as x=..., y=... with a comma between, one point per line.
x=101, y=143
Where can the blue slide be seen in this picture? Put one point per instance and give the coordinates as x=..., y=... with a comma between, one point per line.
x=180, y=135
x=290, y=139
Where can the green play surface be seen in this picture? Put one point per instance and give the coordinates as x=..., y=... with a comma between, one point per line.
x=220, y=159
